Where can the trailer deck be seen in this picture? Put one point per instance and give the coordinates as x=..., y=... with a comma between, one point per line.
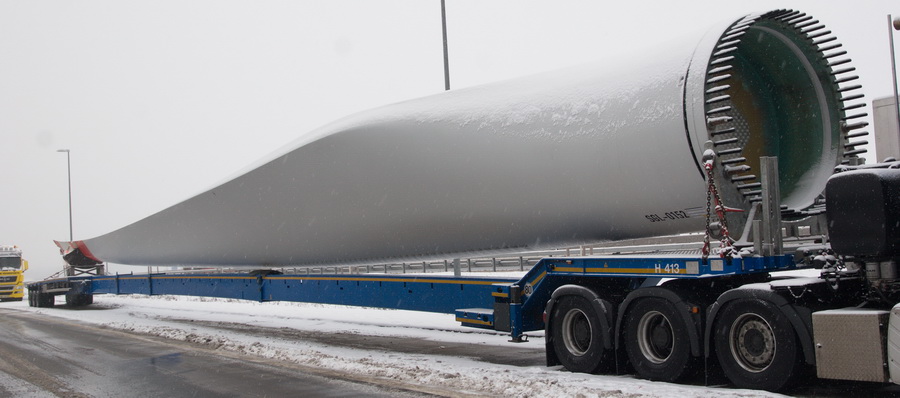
x=507, y=304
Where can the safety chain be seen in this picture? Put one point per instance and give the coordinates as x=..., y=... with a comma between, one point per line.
x=790, y=290
x=712, y=196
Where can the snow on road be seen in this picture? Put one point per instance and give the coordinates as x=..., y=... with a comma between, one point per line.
x=253, y=328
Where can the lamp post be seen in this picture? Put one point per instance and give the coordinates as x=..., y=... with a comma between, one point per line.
x=895, y=23
x=69, y=169
x=446, y=57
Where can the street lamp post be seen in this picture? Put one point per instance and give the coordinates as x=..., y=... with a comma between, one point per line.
x=69, y=169
x=896, y=26
x=446, y=57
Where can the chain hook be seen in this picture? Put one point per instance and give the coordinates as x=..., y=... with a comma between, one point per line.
x=714, y=205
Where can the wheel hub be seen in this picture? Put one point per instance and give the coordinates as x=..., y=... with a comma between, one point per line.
x=752, y=342
x=660, y=337
x=577, y=333
x=655, y=337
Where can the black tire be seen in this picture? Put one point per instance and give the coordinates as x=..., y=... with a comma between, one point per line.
x=79, y=300
x=756, y=345
x=657, y=341
x=45, y=300
x=577, y=336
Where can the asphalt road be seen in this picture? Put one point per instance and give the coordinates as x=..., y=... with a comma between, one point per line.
x=45, y=356
x=42, y=356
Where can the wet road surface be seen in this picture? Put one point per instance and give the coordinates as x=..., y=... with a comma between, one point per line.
x=45, y=356
x=42, y=356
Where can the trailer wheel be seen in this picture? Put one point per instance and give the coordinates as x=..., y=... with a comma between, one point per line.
x=577, y=336
x=45, y=300
x=79, y=300
x=656, y=340
x=757, y=346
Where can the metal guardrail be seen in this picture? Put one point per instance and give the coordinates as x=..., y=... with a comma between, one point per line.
x=515, y=261
x=512, y=262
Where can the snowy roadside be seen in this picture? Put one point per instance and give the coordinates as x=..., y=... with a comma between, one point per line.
x=193, y=319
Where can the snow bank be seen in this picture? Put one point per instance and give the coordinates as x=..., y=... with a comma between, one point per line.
x=269, y=330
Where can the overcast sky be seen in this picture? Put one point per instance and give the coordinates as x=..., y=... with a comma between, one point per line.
x=160, y=100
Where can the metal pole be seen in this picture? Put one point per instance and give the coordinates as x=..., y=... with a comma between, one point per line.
x=446, y=57
x=69, y=172
x=894, y=71
x=771, y=206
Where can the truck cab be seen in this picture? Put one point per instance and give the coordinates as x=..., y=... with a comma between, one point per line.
x=12, y=269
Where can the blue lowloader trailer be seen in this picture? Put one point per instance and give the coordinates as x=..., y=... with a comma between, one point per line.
x=666, y=316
